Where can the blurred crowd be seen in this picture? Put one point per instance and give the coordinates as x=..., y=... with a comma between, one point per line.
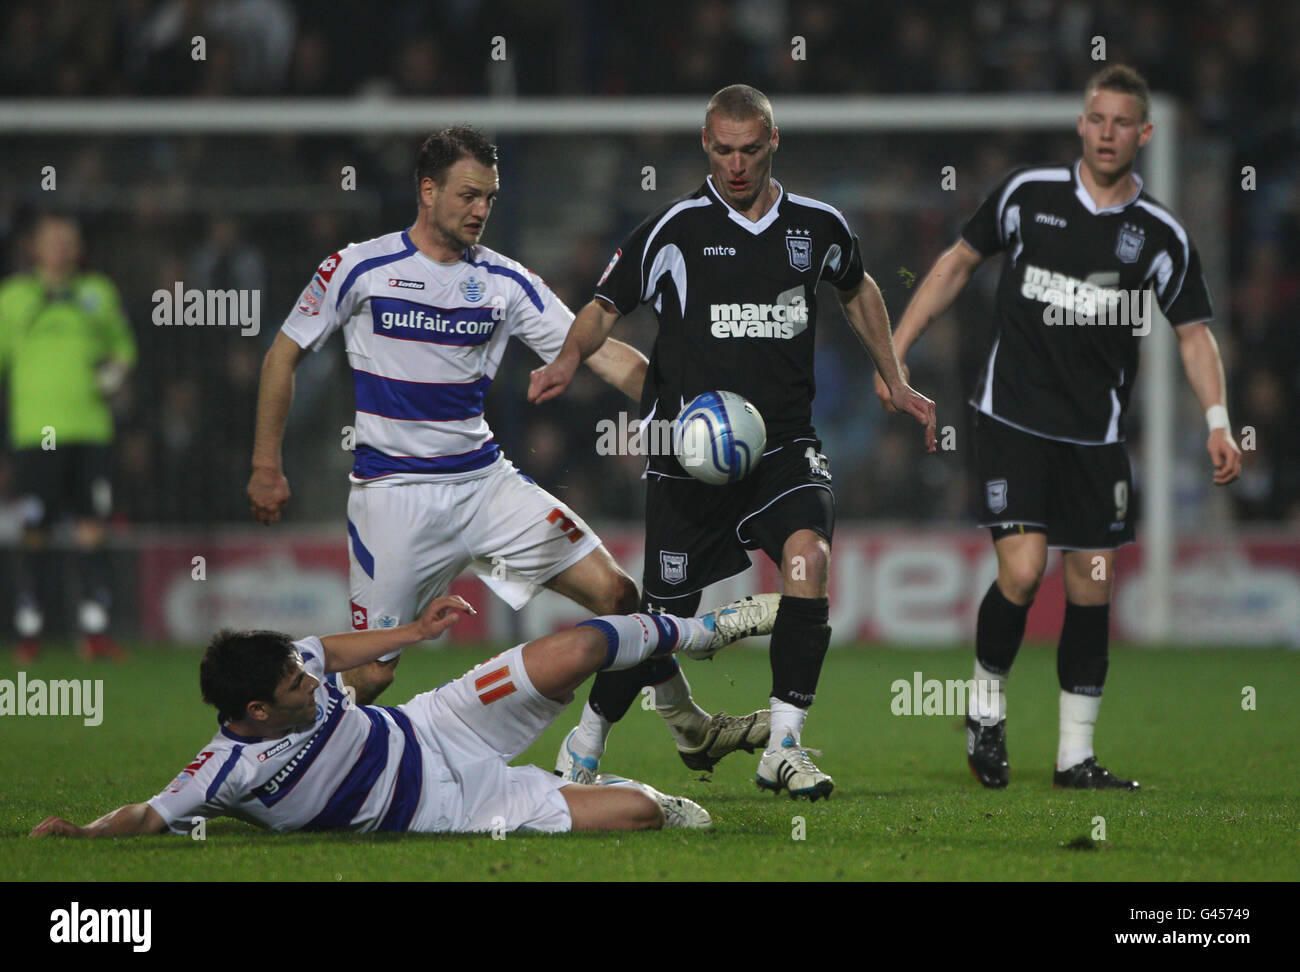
x=259, y=213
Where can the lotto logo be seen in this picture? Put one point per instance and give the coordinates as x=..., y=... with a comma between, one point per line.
x=571, y=531
x=328, y=266
x=360, y=621
x=494, y=685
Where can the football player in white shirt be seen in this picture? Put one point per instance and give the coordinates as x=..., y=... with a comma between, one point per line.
x=426, y=314
x=294, y=753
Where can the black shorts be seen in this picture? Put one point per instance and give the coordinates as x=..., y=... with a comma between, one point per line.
x=697, y=534
x=72, y=480
x=1079, y=495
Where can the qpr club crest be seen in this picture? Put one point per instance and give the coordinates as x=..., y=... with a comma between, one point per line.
x=995, y=495
x=1129, y=243
x=799, y=248
x=672, y=567
x=473, y=289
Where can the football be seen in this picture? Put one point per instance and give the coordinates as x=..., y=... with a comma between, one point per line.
x=719, y=437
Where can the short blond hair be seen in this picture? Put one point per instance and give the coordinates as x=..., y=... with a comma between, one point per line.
x=740, y=102
x=1125, y=80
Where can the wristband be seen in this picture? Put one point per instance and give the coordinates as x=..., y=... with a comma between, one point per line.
x=1216, y=417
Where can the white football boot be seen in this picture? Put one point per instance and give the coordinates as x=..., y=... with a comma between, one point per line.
x=790, y=768
x=678, y=811
x=724, y=734
x=746, y=618
x=572, y=767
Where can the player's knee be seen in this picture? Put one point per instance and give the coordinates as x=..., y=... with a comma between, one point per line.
x=619, y=595
x=587, y=650
x=1019, y=580
x=808, y=558
x=1088, y=591
x=370, y=681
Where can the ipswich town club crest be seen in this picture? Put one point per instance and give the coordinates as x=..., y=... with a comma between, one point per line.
x=1129, y=243
x=995, y=495
x=800, y=250
x=672, y=567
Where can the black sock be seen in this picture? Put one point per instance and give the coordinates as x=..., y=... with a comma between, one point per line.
x=1082, y=656
x=612, y=693
x=799, y=642
x=999, y=631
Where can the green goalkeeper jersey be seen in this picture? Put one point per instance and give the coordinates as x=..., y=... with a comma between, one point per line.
x=51, y=344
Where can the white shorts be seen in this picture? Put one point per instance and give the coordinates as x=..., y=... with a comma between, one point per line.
x=478, y=723
x=408, y=542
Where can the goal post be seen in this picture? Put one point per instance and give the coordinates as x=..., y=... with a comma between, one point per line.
x=631, y=115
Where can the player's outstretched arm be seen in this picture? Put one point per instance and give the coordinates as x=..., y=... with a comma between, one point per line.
x=941, y=286
x=268, y=489
x=352, y=648
x=622, y=365
x=1204, y=367
x=865, y=310
x=128, y=821
x=588, y=332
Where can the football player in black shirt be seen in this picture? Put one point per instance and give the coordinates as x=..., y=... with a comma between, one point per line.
x=1086, y=249
x=732, y=272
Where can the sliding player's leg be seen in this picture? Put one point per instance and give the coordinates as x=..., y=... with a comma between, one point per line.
x=561, y=662
x=702, y=739
x=688, y=546
x=489, y=716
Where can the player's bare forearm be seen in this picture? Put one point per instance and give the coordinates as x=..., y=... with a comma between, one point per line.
x=268, y=489
x=865, y=310
x=1203, y=364
x=132, y=820
x=591, y=327
x=622, y=365
x=274, y=398
x=349, y=649
x=588, y=332
x=936, y=293
x=1204, y=368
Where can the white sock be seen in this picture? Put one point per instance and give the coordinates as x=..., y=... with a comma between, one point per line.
x=787, y=722
x=988, y=705
x=632, y=638
x=690, y=631
x=686, y=720
x=589, y=738
x=1078, y=719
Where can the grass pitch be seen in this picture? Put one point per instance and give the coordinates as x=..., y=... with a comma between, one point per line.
x=1220, y=798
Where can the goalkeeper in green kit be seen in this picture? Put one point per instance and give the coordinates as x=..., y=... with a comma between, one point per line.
x=65, y=347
